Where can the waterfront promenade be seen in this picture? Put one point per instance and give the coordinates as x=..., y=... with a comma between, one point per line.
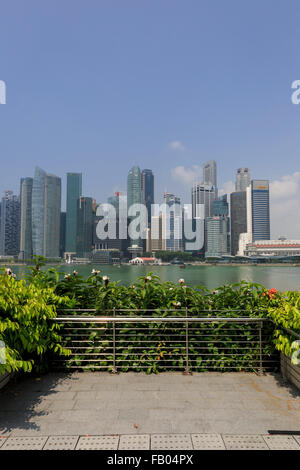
x=97, y=409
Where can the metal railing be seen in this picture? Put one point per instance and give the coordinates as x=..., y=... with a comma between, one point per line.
x=121, y=340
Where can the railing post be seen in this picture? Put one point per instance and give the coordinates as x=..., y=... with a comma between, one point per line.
x=260, y=325
x=187, y=368
x=114, y=368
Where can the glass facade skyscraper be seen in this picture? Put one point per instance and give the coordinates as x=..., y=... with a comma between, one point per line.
x=52, y=208
x=26, y=219
x=238, y=218
x=260, y=210
x=74, y=191
x=210, y=173
x=148, y=192
x=85, y=225
x=242, y=179
x=46, y=205
x=10, y=224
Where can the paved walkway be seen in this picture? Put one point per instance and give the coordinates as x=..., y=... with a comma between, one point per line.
x=99, y=404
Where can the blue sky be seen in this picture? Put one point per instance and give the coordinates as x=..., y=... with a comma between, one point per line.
x=99, y=86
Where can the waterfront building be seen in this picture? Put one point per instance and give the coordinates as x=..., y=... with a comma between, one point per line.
x=46, y=208
x=147, y=186
x=155, y=241
x=172, y=223
x=74, y=191
x=217, y=236
x=62, y=243
x=10, y=224
x=242, y=180
x=203, y=194
x=85, y=220
x=281, y=248
x=134, y=195
x=238, y=218
x=260, y=210
x=26, y=219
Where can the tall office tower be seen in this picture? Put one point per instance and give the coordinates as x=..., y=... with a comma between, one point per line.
x=134, y=195
x=220, y=206
x=148, y=192
x=134, y=190
x=210, y=173
x=172, y=223
x=46, y=205
x=85, y=223
x=10, y=224
x=157, y=242
x=238, y=218
x=242, y=180
x=26, y=219
x=62, y=237
x=52, y=210
x=74, y=191
x=38, y=196
x=203, y=194
x=217, y=236
x=260, y=210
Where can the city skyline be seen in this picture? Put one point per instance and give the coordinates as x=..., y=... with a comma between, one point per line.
x=118, y=111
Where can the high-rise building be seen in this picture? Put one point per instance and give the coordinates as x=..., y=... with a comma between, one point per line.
x=238, y=218
x=10, y=224
x=260, y=210
x=52, y=212
x=62, y=242
x=217, y=236
x=203, y=195
x=210, y=173
x=134, y=190
x=147, y=185
x=74, y=191
x=172, y=223
x=155, y=240
x=85, y=225
x=26, y=219
x=242, y=179
x=134, y=195
x=220, y=206
x=46, y=207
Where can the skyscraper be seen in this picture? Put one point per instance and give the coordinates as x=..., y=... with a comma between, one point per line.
x=260, y=210
x=210, y=173
x=134, y=190
x=26, y=219
x=52, y=210
x=85, y=225
x=203, y=194
x=134, y=194
x=172, y=223
x=46, y=205
x=242, y=179
x=148, y=192
x=238, y=218
x=74, y=191
x=10, y=224
x=217, y=236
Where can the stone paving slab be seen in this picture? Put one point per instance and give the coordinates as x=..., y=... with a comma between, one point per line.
x=154, y=442
x=98, y=403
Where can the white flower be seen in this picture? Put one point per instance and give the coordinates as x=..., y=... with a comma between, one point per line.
x=171, y=288
x=105, y=278
x=9, y=272
x=148, y=278
x=75, y=273
x=181, y=281
x=67, y=276
x=177, y=304
x=95, y=272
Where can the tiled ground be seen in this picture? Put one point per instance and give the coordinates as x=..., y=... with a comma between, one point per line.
x=153, y=442
x=100, y=404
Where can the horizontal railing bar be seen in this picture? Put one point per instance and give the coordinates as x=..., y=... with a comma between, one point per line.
x=159, y=319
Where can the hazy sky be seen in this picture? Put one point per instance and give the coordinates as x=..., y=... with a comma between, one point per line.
x=100, y=86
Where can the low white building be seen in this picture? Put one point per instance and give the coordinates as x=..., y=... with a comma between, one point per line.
x=140, y=260
x=281, y=247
